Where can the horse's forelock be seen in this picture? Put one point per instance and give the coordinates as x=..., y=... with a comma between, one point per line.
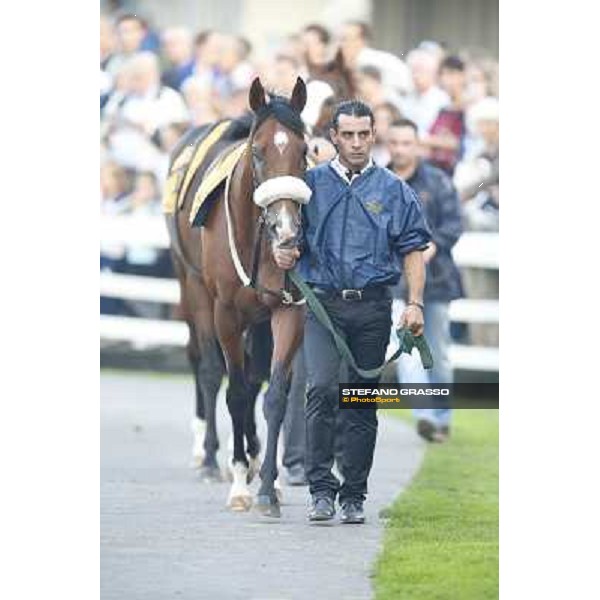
x=280, y=109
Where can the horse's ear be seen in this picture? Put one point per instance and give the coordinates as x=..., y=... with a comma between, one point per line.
x=298, y=99
x=256, y=98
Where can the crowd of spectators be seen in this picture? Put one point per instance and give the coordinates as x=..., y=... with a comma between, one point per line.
x=155, y=85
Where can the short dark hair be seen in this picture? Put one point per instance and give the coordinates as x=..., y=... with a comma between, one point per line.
x=131, y=17
x=452, y=63
x=372, y=72
x=366, y=32
x=354, y=108
x=321, y=32
x=405, y=123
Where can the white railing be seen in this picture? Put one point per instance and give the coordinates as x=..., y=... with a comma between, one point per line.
x=474, y=249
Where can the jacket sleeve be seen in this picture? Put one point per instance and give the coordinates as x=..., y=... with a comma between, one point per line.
x=302, y=242
x=449, y=227
x=408, y=229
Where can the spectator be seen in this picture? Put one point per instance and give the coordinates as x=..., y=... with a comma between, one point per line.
x=482, y=80
x=315, y=40
x=237, y=104
x=284, y=75
x=200, y=102
x=355, y=39
x=146, y=108
x=177, y=49
x=442, y=208
x=207, y=49
x=385, y=114
x=234, y=65
x=371, y=89
x=478, y=178
x=131, y=31
x=114, y=186
x=424, y=103
x=109, y=60
x=445, y=138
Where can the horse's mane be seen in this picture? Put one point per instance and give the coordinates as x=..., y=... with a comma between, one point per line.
x=239, y=128
x=278, y=107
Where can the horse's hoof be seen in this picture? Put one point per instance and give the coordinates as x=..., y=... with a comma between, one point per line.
x=268, y=506
x=210, y=474
x=240, y=503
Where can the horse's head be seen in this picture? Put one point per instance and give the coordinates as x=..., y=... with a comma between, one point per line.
x=278, y=152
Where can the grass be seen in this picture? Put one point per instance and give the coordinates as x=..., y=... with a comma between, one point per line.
x=441, y=542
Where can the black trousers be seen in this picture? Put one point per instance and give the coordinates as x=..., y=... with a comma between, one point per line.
x=366, y=327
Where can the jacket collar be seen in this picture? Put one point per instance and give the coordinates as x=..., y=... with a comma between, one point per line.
x=341, y=170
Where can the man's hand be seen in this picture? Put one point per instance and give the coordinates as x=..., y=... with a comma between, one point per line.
x=412, y=317
x=285, y=258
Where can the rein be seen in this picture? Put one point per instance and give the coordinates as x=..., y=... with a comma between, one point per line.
x=406, y=339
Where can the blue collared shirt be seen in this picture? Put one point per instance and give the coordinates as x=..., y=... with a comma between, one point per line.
x=356, y=233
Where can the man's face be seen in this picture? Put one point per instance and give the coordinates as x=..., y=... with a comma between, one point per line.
x=351, y=42
x=424, y=72
x=354, y=140
x=284, y=76
x=367, y=87
x=131, y=34
x=314, y=49
x=452, y=81
x=403, y=146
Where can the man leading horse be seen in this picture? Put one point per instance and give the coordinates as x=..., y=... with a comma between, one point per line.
x=363, y=226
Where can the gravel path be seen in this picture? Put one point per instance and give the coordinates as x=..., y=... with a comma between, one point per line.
x=167, y=535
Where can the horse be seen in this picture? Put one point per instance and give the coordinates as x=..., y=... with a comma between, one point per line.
x=263, y=193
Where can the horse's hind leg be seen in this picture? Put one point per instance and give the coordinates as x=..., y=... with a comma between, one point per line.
x=198, y=421
x=209, y=374
x=286, y=324
x=198, y=425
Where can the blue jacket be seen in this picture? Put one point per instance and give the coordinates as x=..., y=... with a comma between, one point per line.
x=442, y=209
x=354, y=235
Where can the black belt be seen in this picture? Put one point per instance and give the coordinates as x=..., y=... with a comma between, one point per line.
x=376, y=292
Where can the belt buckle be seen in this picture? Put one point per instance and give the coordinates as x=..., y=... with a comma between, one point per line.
x=352, y=294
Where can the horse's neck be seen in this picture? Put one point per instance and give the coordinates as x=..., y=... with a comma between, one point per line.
x=245, y=212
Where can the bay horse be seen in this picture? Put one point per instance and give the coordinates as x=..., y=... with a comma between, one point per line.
x=264, y=192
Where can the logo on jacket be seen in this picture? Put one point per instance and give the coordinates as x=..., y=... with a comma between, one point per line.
x=374, y=206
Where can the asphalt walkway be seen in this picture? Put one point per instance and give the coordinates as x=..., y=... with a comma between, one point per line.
x=167, y=535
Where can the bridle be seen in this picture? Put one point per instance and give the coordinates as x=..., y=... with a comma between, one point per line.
x=264, y=193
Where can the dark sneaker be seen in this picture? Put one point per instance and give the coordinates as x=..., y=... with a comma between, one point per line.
x=322, y=509
x=352, y=513
x=296, y=475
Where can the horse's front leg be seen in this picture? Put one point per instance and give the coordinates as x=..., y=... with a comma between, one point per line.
x=229, y=331
x=287, y=326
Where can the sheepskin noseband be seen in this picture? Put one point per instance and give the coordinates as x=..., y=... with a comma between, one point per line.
x=284, y=186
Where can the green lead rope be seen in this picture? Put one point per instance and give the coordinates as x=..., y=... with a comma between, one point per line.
x=406, y=339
